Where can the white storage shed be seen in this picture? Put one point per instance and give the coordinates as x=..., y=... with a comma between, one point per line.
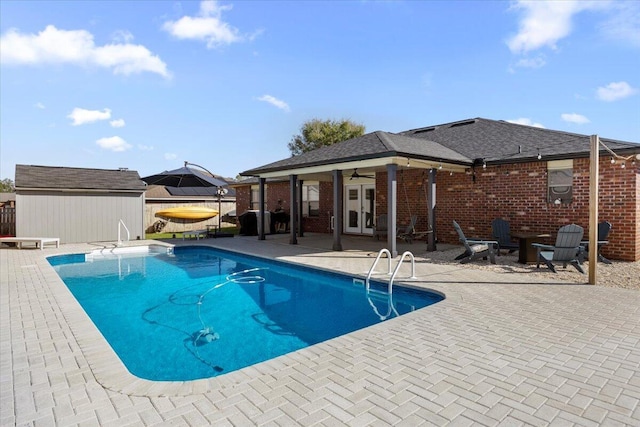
x=79, y=205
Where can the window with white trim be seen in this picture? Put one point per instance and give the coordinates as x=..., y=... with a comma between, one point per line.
x=311, y=200
x=560, y=181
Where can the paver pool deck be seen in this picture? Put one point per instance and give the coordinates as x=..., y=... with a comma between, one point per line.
x=499, y=350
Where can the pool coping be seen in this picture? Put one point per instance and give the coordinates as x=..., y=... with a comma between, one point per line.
x=110, y=372
x=509, y=349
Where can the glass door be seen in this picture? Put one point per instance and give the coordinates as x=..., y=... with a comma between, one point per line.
x=359, y=208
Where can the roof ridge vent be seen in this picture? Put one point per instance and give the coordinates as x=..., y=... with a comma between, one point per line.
x=466, y=122
x=423, y=130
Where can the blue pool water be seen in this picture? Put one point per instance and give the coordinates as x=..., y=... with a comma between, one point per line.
x=202, y=312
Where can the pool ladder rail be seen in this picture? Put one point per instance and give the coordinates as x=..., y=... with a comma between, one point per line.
x=393, y=274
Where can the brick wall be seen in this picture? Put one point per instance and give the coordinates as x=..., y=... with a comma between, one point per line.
x=280, y=191
x=517, y=193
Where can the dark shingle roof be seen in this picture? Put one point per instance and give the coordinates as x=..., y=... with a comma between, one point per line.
x=51, y=177
x=500, y=141
x=372, y=145
x=459, y=142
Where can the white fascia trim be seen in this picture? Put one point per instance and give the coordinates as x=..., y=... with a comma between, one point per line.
x=366, y=164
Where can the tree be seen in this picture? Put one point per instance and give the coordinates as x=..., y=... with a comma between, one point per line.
x=317, y=133
x=7, y=186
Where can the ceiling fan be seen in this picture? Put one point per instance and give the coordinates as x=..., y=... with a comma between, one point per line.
x=355, y=174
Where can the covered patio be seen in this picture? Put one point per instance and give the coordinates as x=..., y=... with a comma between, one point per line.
x=377, y=153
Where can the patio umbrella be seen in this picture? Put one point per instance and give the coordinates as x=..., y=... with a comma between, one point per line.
x=184, y=177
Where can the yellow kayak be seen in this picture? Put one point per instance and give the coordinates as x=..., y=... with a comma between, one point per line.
x=188, y=212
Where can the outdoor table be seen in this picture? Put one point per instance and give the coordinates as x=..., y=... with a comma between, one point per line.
x=527, y=254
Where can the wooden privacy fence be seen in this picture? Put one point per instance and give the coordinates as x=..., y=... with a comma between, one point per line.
x=7, y=221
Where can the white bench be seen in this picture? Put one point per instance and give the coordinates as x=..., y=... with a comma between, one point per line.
x=39, y=241
x=196, y=233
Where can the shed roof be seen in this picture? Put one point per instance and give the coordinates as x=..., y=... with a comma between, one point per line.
x=64, y=178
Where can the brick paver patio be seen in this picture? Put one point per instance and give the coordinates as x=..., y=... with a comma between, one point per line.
x=499, y=350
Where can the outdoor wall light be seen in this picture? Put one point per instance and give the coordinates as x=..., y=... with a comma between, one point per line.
x=557, y=201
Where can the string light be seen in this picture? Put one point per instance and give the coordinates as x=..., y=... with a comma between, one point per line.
x=440, y=166
x=408, y=162
x=539, y=155
x=484, y=164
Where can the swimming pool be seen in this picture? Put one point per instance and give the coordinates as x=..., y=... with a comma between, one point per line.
x=201, y=312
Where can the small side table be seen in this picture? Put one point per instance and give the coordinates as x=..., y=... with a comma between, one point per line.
x=527, y=254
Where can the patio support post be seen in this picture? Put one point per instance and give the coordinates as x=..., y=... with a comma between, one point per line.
x=293, y=215
x=431, y=210
x=300, y=210
x=261, y=182
x=337, y=210
x=594, y=178
x=392, y=195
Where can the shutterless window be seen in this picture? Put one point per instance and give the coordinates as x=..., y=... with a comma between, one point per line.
x=560, y=182
x=311, y=200
x=255, y=197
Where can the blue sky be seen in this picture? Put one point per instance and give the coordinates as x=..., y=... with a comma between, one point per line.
x=147, y=85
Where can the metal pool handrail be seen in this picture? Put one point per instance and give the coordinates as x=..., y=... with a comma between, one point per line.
x=122, y=224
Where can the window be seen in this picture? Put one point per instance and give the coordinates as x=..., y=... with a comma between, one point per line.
x=255, y=197
x=311, y=200
x=560, y=182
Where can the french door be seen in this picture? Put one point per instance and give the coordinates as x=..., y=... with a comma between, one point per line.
x=359, y=208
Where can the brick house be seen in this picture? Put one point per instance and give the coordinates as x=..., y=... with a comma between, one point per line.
x=471, y=171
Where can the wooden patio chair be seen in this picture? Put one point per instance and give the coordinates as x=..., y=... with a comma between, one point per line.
x=502, y=233
x=380, y=228
x=567, y=249
x=475, y=249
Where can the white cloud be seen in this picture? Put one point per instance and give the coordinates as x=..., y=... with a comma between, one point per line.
x=76, y=47
x=537, y=62
x=575, y=118
x=275, y=102
x=207, y=26
x=142, y=147
x=615, y=91
x=122, y=36
x=118, y=123
x=80, y=116
x=170, y=156
x=40, y=106
x=525, y=121
x=544, y=23
x=624, y=23
x=114, y=143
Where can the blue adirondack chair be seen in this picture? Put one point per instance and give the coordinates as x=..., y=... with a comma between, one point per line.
x=567, y=249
